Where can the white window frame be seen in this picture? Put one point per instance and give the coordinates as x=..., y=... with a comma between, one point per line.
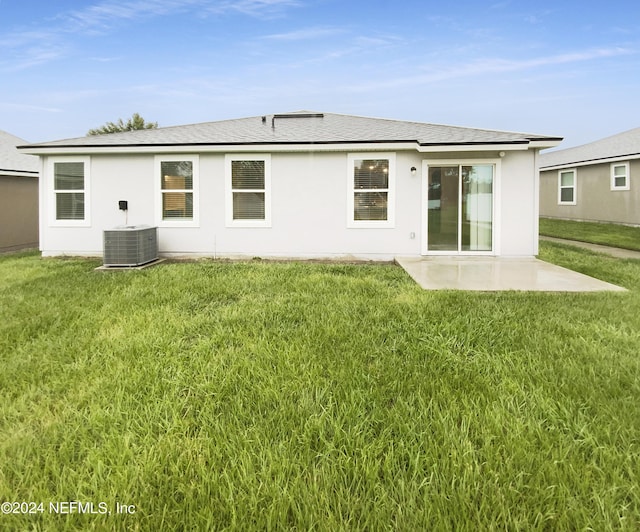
x=389, y=223
x=157, y=179
x=266, y=158
x=626, y=176
x=51, y=177
x=574, y=187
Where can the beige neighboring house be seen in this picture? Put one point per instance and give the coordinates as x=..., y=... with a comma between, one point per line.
x=598, y=181
x=18, y=196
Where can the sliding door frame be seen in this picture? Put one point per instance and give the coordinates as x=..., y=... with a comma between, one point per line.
x=496, y=187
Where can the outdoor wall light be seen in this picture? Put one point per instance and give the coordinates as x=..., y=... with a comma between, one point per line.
x=414, y=170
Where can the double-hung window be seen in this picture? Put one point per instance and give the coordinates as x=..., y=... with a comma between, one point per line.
x=70, y=179
x=248, y=190
x=567, y=187
x=371, y=187
x=620, y=176
x=177, y=186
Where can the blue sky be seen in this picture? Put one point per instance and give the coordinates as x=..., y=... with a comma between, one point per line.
x=569, y=68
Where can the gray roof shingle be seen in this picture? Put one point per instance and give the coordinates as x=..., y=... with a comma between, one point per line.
x=11, y=160
x=626, y=144
x=301, y=127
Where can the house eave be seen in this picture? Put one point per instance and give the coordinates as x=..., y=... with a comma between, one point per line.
x=481, y=146
x=202, y=147
x=18, y=173
x=328, y=146
x=590, y=162
x=543, y=144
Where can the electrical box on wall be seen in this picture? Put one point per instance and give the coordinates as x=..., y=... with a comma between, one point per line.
x=123, y=205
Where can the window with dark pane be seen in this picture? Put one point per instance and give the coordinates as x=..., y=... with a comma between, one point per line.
x=620, y=176
x=177, y=190
x=69, y=189
x=247, y=175
x=371, y=189
x=248, y=188
x=567, y=186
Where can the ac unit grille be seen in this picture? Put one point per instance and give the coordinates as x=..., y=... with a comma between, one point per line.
x=130, y=246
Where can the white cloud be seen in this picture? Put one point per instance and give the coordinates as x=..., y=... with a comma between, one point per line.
x=510, y=65
x=21, y=107
x=17, y=39
x=24, y=49
x=46, y=40
x=495, y=65
x=101, y=16
x=252, y=7
x=305, y=34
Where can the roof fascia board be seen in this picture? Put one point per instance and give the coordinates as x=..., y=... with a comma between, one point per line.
x=18, y=173
x=591, y=162
x=220, y=148
x=282, y=147
x=434, y=148
x=382, y=145
x=543, y=144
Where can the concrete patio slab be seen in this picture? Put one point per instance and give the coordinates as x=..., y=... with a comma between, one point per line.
x=494, y=274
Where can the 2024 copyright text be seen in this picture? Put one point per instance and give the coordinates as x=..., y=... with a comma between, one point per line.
x=67, y=507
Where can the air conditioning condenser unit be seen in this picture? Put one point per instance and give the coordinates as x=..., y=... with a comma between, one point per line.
x=131, y=245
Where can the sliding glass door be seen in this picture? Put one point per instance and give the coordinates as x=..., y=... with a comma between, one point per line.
x=460, y=208
x=443, y=205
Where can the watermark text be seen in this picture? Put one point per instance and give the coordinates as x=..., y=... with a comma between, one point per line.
x=67, y=507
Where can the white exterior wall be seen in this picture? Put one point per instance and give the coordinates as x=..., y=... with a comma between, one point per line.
x=126, y=177
x=518, y=205
x=309, y=209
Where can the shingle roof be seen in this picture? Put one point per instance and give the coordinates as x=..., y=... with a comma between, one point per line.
x=301, y=127
x=626, y=144
x=11, y=160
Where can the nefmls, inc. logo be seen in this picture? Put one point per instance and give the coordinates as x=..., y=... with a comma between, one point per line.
x=77, y=507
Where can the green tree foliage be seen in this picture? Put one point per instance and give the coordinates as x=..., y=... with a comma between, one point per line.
x=134, y=123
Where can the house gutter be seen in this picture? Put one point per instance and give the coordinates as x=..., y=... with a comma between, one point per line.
x=18, y=173
x=587, y=162
x=44, y=149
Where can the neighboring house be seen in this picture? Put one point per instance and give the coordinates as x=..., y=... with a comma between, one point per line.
x=296, y=185
x=18, y=196
x=596, y=181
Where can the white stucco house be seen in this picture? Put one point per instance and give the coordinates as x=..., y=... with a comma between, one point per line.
x=302, y=184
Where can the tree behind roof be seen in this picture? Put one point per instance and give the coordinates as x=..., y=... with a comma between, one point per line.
x=134, y=123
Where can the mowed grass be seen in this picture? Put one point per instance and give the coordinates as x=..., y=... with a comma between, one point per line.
x=271, y=396
x=621, y=236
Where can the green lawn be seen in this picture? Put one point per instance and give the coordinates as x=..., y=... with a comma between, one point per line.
x=615, y=235
x=270, y=396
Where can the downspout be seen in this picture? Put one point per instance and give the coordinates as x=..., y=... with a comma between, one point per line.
x=43, y=203
x=536, y=203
